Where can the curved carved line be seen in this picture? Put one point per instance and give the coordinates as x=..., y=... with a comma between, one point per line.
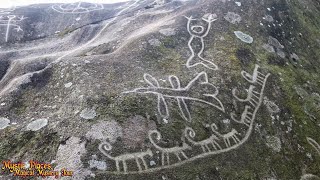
x=242, y=141
x=314, y=144
x=200, y=60
x=61, y=9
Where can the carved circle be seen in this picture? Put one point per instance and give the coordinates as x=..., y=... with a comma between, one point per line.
x=106, y=146
x=197, y=29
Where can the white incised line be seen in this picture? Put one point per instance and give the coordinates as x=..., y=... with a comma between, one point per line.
x=211, y=152
x=314, y=144
x=93, y=39
x=28, y=75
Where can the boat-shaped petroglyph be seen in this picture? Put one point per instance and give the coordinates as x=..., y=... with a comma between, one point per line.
x=190, y=148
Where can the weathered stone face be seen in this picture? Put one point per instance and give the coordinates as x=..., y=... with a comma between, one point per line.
x=163, y=90
x=4, y=122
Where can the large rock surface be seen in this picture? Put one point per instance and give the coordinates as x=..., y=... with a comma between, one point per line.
x=198, y=89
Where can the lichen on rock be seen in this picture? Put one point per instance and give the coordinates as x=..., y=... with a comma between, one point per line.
x=88, y=114
x=4, y=122
x=274, y=143
x=37, y=124
x=167, y=32
x=268, y=18
x=244, y=37
x=274, y=42
x=268, y=48
x=154, y=42
x=69, y=157
x=100, y=165
x=105, y=130
x=232, y=17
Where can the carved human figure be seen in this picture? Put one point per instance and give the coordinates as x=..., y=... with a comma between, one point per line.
x=198, y=32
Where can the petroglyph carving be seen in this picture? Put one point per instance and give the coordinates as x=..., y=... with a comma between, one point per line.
x=309, y=177
x=11, y=21
x=165, y=152
x=189, y=134
x=104, y=147
x=254, y=97
x=199, y=89
x=248, y=97
x=7, y=11
x=314, y=144
x=200, y=32
x=154, y=84
x=79, y=7
x=232, y=135
x=217, y=142
x=256, y=77
x=246, y=116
